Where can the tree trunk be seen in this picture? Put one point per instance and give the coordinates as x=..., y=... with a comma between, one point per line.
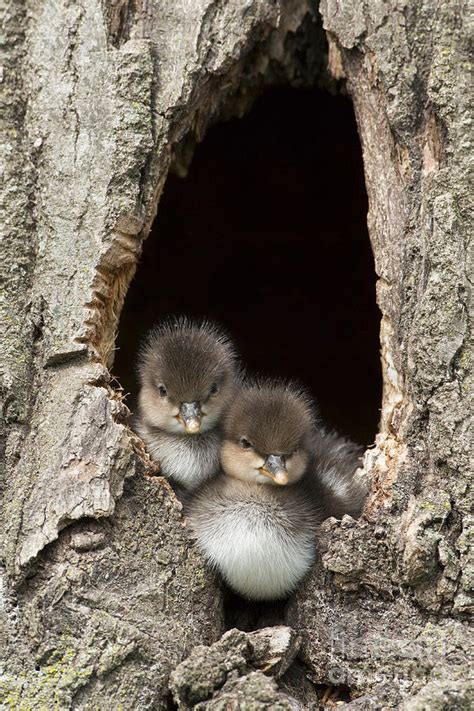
x=102, y=595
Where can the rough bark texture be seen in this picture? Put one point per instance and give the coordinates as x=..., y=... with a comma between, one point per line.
x=101, y=595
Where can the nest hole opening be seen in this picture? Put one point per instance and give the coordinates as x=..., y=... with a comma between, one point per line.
x=267, y=235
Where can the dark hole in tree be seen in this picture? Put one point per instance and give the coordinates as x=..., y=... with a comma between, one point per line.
x=249, y=615
x=268, y=236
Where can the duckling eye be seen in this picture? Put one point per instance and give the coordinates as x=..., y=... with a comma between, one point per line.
x=162, y=391
x=214, y=389
x=245, y=444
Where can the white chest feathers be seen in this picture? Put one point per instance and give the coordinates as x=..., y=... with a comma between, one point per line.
x=189, y=460
x=262, y=547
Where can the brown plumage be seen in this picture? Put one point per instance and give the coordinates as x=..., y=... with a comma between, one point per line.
x=188, y=357
x=188, y=371
x=275, y=417
x=257, y=521
x=331, y=478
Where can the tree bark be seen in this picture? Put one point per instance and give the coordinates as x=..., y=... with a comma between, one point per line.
x=102, y=596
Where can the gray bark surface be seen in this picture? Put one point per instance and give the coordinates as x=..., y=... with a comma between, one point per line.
x=102, y=596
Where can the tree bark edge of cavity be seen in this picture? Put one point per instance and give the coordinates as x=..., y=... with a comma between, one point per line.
x=102, y=596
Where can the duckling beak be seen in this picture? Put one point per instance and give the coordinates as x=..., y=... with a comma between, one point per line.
x=190, y=416
x=275, y=469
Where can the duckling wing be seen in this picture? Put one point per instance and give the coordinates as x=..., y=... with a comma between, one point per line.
x=331, y=479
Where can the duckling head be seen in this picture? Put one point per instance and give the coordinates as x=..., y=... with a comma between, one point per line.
x=188, y=372
x=267, y=433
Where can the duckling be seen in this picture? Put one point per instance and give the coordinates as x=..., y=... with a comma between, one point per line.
x=188, y=371
x=282, y=475
x=255, y=522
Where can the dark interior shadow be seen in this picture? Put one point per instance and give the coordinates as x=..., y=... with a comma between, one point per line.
x=268, y=236
x=250, y=615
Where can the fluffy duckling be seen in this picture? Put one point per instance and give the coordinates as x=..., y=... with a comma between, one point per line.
x=255, y=522
x=282, y=475
x=188, y=373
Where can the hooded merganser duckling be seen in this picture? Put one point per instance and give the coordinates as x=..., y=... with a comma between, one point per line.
x=256, y=522
x=188, y=373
